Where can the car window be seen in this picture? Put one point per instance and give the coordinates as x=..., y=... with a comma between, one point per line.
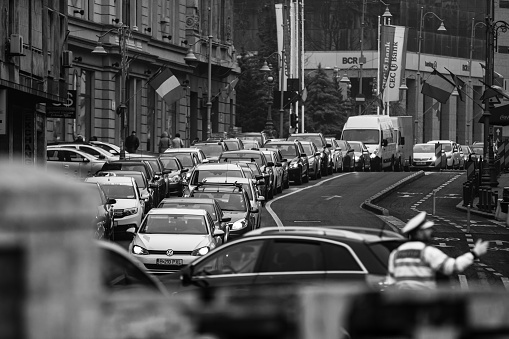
x=238, y=258
x=339, y=258
x=173, y=224
x=207, y=207
x=90, y=150
x=114, y=191
x=171, y=163
x=292, y=256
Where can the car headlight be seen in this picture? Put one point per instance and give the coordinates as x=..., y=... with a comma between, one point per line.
x=200, y=251
x=139, y=250
x=131, y=211
x=433, y=158
x=239, y=224
x=294, y=164
x=322, y=155
x=175, y=179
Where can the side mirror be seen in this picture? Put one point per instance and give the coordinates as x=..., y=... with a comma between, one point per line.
x=145, y=196
x=261, y=182
x=156, y=177
x=260, y=198
x=258, y=177
x=101, y=156
x=86, y=160
x=131, y=230
x=167, y=171
x=329, y=145
x=402, y=141
x=226, y=219
x=111, y=201
x=205, y=161
x=385, y=142
x=218, y=233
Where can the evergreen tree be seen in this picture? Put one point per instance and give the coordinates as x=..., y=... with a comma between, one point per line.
x=325, y=110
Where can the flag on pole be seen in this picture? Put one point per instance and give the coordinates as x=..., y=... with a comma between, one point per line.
x=436, y=109
x=230, y=87
x=459, y=83
x=493, y=91
x=498, y=79
x=167, y=86
x=438, y=87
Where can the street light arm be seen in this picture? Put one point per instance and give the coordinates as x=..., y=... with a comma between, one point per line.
x=424, y=15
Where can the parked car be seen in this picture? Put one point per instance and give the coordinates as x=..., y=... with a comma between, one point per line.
x=170, y=238
x=96, y=151
x=103, y=220
x=212, y=149
x=208, y=204
x=452, y=154
x=336, y=155
x=298, y=166
x=235, y=203
x=74, y=164
x=291, y=255
x=348, y=155
x=362, y=157
x=277, y=169
x=284, y=164
x=129, y=207
x=323, y=148
x=156, y=182
x=423, y=157
x=314, y=159
x=141, y=181
x=261, y=137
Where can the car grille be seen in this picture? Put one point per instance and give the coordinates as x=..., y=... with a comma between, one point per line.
x=163, y=267
x=422, y=159
x=163, y=252
x=118, y=213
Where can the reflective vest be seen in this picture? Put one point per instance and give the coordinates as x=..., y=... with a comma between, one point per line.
x=409, y=267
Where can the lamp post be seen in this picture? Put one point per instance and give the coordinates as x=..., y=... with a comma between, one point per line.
x=191, y=60
x=269, y=124
x=124, y=33
x=418, y=78
x=470, y=88
x=489, y=175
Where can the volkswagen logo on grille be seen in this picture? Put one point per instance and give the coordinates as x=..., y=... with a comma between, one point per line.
x=169, y=253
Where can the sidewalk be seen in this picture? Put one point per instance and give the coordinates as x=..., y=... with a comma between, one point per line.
x=503, y=181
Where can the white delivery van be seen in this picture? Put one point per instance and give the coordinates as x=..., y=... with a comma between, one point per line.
x=377, y=133
x=404, y=138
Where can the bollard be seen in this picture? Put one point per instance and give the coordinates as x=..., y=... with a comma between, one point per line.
x=434, y=201
x=489, y=197
x=468, y=219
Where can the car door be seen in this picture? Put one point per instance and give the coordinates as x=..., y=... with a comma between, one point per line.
x=348, y=268
x=292, y=260
x=232, y=265
x=73, y=163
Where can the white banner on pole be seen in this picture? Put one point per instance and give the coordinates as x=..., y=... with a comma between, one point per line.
x=397, y=65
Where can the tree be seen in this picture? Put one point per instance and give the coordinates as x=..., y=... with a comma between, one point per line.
x=325, y=110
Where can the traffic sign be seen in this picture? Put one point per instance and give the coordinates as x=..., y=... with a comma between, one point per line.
x=497, y=134
x=66, y=110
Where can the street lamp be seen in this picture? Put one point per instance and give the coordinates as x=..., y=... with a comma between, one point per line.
x=269, y=79
x=418, y=79
x=124, y=33
x=269, y=125
x=470, y=96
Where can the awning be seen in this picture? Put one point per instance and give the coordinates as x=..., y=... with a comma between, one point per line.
x=34, y=94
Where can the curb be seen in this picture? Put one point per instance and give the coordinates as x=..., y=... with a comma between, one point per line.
x=475, y=211
x=369, y=204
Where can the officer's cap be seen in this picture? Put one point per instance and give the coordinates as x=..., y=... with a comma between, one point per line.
x=417, y=222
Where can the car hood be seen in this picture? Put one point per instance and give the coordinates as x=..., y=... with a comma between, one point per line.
x=176, y=242
x=125, y=203
x=371, y=148
x=423, y=155
x=235, y=215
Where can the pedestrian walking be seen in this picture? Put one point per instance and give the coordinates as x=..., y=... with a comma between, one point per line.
x=414, y=264
x=132, y=143
x=164, y=142
x=177, y=142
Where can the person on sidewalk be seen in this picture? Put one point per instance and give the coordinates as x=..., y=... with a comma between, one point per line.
x=177, y=142
x=132, y=143
x=164, y=142
x=415, y=264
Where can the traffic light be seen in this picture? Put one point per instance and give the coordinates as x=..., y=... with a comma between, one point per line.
x=293, y=120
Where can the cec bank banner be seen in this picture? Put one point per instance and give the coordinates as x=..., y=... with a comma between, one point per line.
x=392, y=61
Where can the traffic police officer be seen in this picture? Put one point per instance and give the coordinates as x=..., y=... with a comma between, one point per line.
x=413, y=265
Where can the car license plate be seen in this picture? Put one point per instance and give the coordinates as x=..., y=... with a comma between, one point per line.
x=169, y=262
x=420, y=163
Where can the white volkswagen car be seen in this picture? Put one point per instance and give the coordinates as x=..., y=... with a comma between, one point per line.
x=129, y=208
x=170, y=238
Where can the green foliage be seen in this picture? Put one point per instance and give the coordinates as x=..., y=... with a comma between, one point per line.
x=325, y=110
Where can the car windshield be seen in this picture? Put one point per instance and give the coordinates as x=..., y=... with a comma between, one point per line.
x=207, y=207
x=173, y=224
x=137, y=176
x=200, y=174
x=126, y=167
x=227, y=201
x=170, y=163
x=367, y=136
x=288, y=151
x=243, y=157
x=424, y=148
x=308, y=149
x=119, y=191
x=233, y=145
x=268, y=156
x=316, y=139
x=211, y=150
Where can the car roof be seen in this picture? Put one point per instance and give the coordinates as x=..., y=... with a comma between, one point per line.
x=228, y=180
x=241, y=151
x=222, y=165
x=180, y=150
x=124, y=173
x=120, y=180
x=191, y=200
x=173, y=211
x=440, y=141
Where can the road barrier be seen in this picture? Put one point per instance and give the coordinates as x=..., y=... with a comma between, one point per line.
x=438, y=156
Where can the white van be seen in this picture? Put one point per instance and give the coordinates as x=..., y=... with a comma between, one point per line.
x=377, y=133
x=404, y=138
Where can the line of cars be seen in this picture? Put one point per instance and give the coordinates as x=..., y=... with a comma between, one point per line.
x=438, y=154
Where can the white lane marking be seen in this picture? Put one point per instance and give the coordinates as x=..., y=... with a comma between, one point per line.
x=307, y=221
x=274, y=215
x=327, y=197
x=463, y=282
x=505, y=281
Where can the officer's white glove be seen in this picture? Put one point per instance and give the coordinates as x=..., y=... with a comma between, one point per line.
x=480, y=248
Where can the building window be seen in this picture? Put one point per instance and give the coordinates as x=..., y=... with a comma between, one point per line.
x=504, y=4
